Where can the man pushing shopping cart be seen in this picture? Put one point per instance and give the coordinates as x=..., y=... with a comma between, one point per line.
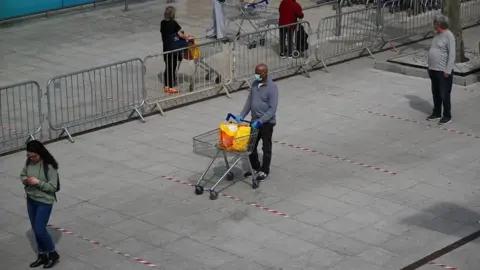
x=241, y=139
x=262, y=104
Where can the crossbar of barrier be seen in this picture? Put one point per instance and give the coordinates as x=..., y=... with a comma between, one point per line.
x=204, y=65
x=95, y=97
x=21, y=116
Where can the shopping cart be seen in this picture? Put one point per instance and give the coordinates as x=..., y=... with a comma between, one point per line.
x=192, y=53
x=257, y=13
x=209, y=144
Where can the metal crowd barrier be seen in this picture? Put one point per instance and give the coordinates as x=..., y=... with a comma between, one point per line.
x=369, y=30
x=470, y=13
x=203, y=66
x=264, y=46
x=95, y=97
x=416, y=18
x=21, y=116
x=344, y=33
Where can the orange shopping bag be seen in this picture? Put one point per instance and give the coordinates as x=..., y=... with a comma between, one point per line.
x=227, y=133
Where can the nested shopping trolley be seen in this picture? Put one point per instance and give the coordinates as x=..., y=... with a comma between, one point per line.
x=238, y=141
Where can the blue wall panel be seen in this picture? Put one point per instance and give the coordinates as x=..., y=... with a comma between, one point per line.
x=71, y=3
x=17, y=8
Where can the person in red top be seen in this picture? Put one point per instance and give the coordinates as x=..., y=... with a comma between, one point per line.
x=290, y=11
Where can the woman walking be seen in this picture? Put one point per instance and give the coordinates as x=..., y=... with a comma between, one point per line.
x=40, y=178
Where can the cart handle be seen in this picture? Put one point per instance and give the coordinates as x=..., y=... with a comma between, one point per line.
x=231, y=115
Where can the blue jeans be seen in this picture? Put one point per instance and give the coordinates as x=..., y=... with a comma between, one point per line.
x=39, y=214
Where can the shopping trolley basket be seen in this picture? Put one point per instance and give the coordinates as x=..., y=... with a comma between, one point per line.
x=257, y=13
x=192, y=53
x=213, y=145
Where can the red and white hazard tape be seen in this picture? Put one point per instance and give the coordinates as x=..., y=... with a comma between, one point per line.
x=444, y=266
x=139, y=260
x=171, y=179
x=361, y=164
x=235, y=198
x=427, y=125
x=256, y=205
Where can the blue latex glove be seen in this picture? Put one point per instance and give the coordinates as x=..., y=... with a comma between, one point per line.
x=257, y=124
x=238, y=118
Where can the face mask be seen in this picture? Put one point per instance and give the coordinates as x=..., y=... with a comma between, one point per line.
x=258, y=78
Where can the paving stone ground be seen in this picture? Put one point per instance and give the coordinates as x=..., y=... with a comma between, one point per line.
x=340, y=215
x=342, y=212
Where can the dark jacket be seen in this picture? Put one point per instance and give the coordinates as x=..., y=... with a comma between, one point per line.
x=290, y=11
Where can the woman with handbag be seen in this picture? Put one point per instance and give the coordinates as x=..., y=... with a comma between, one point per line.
x=40, y=178
x=173, y=40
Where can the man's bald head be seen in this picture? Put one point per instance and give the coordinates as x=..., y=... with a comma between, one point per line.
x=262, y=70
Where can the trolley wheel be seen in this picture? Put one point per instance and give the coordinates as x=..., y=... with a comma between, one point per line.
x=198, y=190
x=230, y=176
x=295, y=54
x=213, y=195
x=262, y=42
x=255, y=184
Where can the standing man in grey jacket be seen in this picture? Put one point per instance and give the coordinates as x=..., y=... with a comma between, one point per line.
x=262, y=104
x=441, y=60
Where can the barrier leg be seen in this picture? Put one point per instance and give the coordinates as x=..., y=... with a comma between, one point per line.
x=225, y=89
x=65, y=131
x=160, y=110
x=138, y=113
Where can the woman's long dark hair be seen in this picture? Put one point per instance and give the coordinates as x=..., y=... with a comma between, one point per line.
x=38, y=148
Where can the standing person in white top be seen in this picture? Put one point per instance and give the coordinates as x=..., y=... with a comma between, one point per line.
x=441, y=60
x=218, y=18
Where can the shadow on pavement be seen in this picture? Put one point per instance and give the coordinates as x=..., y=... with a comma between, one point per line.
x=56, y=236
x=450, y=219
x=419, y=104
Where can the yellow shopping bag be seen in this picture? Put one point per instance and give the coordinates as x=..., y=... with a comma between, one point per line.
x=234, y=137
x=242, y=137
x=193, y=52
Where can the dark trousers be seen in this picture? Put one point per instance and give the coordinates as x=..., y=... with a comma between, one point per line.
x=39, y=214
x=286, y=40
x=172, y=61
x=265, y=134
x=441, y=90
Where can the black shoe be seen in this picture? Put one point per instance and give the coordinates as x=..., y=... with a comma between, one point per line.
x=261, y=176
x=433, y=117
x=445, y=120
x=248, y=174
x=53, y=258
x=41, y=260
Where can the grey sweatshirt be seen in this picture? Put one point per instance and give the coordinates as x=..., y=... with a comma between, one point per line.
x=262, y=102
x=441, y=56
